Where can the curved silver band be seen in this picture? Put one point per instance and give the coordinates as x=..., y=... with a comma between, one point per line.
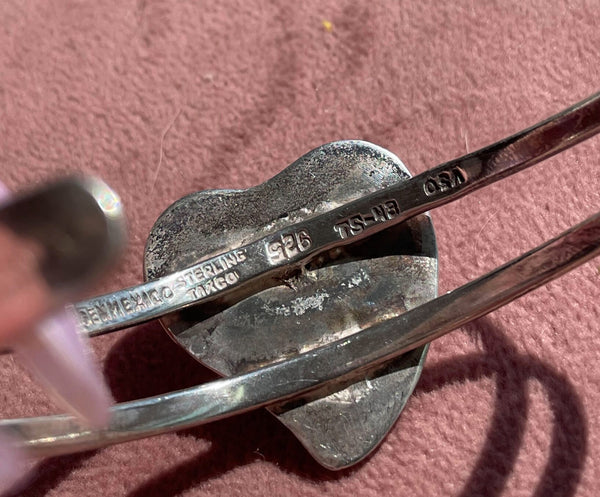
x=264, y=257
x=344, y=359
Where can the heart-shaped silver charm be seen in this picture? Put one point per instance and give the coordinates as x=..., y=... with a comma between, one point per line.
x=340, y=293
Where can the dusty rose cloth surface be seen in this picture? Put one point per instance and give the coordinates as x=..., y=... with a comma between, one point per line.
x=162, y=99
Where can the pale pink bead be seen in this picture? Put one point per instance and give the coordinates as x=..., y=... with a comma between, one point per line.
x=55, y=354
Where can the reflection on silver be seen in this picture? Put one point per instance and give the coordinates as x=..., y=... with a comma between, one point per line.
x=294, y=245
x=364, y=283
x=344, y=360
x=239, y=269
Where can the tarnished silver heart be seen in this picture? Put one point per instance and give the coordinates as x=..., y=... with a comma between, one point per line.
x=340, y=293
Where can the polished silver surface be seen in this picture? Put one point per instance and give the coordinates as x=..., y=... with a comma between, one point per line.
x=256, y=262
x=299, y=377
x=288, y=245
x=360, y=285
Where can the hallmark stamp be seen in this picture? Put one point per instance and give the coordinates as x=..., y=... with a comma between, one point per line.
x=201, y=280
x=444, y=181
x=357, y=223
x=288, y=246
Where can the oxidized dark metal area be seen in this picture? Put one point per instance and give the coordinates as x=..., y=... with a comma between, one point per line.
x=341, y=293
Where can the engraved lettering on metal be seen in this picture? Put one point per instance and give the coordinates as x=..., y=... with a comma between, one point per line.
x=198, y=281
x=288, y=245
x=444, y=181
x=351, y=357
x=428, y=190
x=357, y=223
x=213, y=285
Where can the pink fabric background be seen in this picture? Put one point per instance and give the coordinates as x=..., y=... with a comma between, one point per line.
x=162, y=99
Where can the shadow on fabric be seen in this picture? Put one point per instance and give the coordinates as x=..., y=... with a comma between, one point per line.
x=146, y=362
x=512, y=371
